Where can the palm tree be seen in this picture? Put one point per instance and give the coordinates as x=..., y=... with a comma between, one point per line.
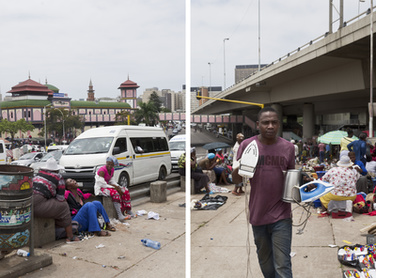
x=121, y=118
x=147, y=113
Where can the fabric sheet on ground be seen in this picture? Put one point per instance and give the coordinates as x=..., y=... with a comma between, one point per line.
x=212, y=203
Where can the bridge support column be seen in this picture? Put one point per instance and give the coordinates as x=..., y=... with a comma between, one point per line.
x=308, y=120
x=279, y=109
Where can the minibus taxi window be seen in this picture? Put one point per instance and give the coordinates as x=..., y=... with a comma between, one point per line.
x=163, y=144
x=120, y=146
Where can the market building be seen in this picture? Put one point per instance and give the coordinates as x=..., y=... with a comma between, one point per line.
x=30, y=99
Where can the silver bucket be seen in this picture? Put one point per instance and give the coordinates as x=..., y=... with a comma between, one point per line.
x=291, y=192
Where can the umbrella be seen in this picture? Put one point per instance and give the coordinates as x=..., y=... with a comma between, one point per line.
x=216, y=145
x=333, y=137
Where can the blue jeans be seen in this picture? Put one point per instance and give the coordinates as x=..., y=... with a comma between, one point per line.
x=273, y=242
x=321, y=157
x=87, y=216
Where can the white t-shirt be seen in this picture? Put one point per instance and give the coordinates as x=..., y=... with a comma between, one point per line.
x=371, y=166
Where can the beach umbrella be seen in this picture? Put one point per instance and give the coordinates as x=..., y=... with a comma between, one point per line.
x=333, y=137
x=216, y=145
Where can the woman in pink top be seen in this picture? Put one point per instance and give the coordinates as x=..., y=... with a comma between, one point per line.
x=105, y=185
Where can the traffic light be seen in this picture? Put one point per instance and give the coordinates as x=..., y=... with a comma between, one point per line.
x=198, y=95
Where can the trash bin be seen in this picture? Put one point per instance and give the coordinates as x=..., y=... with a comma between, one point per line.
x=15, y=206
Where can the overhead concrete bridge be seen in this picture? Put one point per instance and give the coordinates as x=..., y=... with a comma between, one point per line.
x=327, y=76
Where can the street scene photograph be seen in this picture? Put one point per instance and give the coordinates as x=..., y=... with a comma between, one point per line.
x=283, y=139
x=87, y=93
x=192, y=138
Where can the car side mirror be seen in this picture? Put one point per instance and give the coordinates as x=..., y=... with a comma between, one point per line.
x=138, y=149
x=116, y=150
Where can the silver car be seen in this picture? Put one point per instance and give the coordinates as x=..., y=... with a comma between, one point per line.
x=37, y=165
x=28, y=158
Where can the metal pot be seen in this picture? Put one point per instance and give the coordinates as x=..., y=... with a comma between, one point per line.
x=291, y=191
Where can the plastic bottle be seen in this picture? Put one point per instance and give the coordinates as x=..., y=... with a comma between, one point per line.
x=23, y=253
x=151, y=243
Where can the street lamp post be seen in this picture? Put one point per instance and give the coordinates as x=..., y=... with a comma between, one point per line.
x=62, y=115
x=371, y=70
x=209, y=63
x=259, y=38
x=226, y=39
x=45, y=128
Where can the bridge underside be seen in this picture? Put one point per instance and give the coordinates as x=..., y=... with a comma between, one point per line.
x=334, y=83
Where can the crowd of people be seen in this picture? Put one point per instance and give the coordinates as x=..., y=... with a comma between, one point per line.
x=350, y=167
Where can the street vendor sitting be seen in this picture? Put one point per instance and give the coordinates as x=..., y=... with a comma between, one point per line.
x=344, y=179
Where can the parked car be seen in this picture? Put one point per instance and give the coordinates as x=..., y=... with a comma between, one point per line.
x=28, y=158
x=56, y=147
x=42, y=162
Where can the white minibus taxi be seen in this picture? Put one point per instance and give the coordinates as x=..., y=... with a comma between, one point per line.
x=177, y=146
x=142, y=152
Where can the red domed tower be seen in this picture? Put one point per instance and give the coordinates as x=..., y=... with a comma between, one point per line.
x=31, y=88
x=128, y=92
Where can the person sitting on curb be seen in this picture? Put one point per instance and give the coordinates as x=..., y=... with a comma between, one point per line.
x=364, y=184
x=206, y=165
x=219, y=167
x=105, y=185
x=86, y=213
x=49, y=200
x=201, y=180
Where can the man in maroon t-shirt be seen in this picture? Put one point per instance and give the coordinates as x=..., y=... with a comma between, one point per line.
x=270, y=217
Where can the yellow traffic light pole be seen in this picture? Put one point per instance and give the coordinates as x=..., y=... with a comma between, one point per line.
x=231, y=100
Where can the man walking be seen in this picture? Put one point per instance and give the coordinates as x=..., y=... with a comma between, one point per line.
x=270, y=217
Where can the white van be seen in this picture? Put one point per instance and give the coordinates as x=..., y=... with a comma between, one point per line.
x=177, y=146
x=142, y=153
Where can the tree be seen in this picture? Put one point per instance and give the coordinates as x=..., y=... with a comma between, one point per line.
x=59, y=121
x=121, y=118
x=14, y=127
x=147, y=113
x=155, y=99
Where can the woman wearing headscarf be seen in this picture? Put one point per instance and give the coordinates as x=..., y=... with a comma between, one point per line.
x=49, y=200
x=105, y=185
x=85, y=213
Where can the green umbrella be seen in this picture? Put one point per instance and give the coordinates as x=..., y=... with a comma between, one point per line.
x=333, y=137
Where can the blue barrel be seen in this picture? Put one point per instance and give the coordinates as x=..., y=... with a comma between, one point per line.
x=15, y=206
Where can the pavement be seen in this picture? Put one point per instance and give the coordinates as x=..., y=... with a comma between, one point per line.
x=221, y=245
x=120, y=255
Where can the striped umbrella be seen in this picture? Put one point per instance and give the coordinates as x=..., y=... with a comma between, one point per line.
x=333, y=137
